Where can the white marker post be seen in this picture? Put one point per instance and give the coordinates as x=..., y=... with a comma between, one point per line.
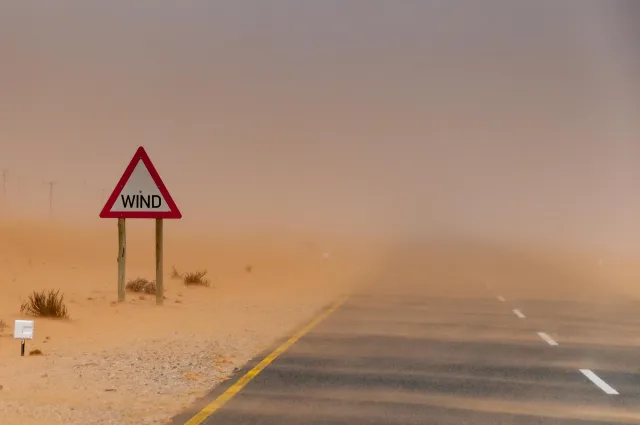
x=140, y=193
x=23, y=330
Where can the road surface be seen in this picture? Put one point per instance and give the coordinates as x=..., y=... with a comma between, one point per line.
x=431, y=356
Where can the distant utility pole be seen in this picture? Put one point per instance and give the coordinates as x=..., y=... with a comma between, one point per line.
x=51, y=184
x=4, y=185
x=4, y=190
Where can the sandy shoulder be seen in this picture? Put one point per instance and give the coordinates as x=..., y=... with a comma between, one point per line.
x=136, y=362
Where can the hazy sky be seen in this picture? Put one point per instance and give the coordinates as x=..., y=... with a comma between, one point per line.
x=505, y=117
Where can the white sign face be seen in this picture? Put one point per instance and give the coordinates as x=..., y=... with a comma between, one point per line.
x=140, y=193
x=23, y=329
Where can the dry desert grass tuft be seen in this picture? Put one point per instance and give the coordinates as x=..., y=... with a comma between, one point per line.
x=175, y=274
x=141, y=285
x=45, y=304
x=196, y=279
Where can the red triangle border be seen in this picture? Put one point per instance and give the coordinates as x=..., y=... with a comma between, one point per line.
x=140, y=155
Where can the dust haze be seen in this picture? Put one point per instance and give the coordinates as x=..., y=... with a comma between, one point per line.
x=479, y=143
x=510, y=119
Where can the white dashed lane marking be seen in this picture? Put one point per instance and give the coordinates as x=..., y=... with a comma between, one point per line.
x=546, y=338
x=519, y=314
x=599, y=382
x=608, y=389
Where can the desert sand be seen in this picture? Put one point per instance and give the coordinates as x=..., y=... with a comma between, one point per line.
x=135, y=362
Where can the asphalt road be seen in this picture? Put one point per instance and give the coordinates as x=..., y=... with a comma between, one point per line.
x=414, y=357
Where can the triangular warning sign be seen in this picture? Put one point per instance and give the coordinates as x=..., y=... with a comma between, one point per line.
x=140, y=193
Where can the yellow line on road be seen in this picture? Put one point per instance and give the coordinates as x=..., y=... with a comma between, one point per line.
x=216, y=404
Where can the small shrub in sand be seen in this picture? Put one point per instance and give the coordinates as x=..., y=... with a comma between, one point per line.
x=196, y=279
x=35, y=352
x=150, y=288
x=3, y=326
x=141, y=285
x=45, y=304
x=175, y=274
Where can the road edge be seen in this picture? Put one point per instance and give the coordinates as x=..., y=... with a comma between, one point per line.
x=222, y=393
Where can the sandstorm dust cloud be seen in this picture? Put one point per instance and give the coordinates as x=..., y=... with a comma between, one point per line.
x=512, y=120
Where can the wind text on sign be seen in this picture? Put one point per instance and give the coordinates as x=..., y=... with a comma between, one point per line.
x=140, y=193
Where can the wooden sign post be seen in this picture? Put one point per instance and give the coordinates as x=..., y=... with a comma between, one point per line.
x=159, y=280
x=122, y=256
x=140, y=193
